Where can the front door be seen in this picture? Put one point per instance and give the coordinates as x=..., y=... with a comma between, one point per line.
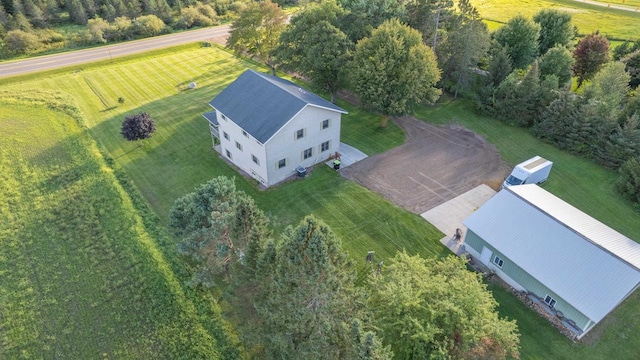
x=485, y=256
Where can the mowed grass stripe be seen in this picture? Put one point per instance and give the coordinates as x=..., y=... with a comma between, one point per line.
x=77, y=273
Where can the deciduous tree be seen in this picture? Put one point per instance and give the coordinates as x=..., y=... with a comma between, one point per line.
x=137, y=127
x=519, y=37
x=608, y=91
x=557, y=61
x=437, y=309
x=555, y=29
x=392, y=70
x=314, y=46
x=591, y=53
x=256, y=31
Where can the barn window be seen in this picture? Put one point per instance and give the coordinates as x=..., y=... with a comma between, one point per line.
x=255, y=159
x=325, y=124
x=239, y=146
x=550, y=301
x=245, y=133
x=299, y=134
x=282, y=163
x=228, y=153
x=498, y=261
x=226, y=136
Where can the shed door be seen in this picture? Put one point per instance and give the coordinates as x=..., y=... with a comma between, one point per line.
x=485, y=256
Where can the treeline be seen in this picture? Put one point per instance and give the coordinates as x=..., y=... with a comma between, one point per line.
x=298, y=295
x=27, y=26
x=530, y=69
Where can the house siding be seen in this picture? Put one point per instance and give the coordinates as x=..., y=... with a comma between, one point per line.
x=284, y=145
x=250, y=146
x=520, y=279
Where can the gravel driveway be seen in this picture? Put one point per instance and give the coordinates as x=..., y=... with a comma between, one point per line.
x=434, y=165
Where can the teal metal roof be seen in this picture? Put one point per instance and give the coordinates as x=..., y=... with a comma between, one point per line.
x=588, y=264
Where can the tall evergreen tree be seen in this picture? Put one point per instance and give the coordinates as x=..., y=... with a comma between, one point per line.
x=309, y=300
x=217, y=225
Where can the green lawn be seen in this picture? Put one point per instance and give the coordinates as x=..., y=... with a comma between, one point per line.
x=585, y=185
x=82, y=277
x=179, y=157
x=616, y=24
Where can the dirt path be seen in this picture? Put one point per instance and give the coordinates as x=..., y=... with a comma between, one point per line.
x=436, y=164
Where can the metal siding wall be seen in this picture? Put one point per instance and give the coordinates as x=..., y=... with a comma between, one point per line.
x=525, y=280
x=474, y=241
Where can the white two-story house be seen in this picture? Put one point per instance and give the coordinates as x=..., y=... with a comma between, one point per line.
x=268, y=126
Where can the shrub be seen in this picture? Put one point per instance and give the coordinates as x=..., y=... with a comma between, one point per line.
x=149, y=25
x=18, y=42
x=137, y=127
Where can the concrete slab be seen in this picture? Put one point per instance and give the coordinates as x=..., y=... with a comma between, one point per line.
x=449, y=216
x=348, y=156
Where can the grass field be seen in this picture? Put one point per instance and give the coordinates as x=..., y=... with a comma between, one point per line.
x=585, y=185
x=616, y=24
x=179, y=157
x=81, y=276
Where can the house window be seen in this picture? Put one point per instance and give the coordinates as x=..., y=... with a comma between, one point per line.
x=239, y=146
x=255, y=159
x=324, y=146
x=299, y=134
x=228, y=153
x=550, y=301
x=325, y=124
x=223, y=117
x=245, y=134
x=498, y=261
x=226, y=136
x=307, y=153
x=282, y=163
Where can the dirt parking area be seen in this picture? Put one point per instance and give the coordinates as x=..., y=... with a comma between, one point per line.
x=436, y=164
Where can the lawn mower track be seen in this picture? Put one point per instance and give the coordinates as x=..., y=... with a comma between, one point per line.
x=434, y=165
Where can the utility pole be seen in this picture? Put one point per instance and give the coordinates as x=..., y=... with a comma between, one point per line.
x=435, y=36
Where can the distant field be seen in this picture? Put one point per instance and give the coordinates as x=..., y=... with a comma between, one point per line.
x=81, y=276
x=616, y=24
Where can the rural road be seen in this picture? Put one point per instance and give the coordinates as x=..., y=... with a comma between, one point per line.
x=217, y=34
x=608, y=5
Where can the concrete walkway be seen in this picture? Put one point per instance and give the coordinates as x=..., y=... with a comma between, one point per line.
x=449, y=216
x=348, y=156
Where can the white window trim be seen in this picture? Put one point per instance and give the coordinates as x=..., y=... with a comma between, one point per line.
x=226, y=136
x=255, y=159
x=498, y=261
x=295, y=134
x=228, y=153
x=328, y=142
x=328, y=124
x=278, y=167
x=551, y=300
x=238, y=146
x=310, y=155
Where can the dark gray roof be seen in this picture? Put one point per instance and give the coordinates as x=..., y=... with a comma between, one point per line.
x=211, y=117
x=261, y=104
